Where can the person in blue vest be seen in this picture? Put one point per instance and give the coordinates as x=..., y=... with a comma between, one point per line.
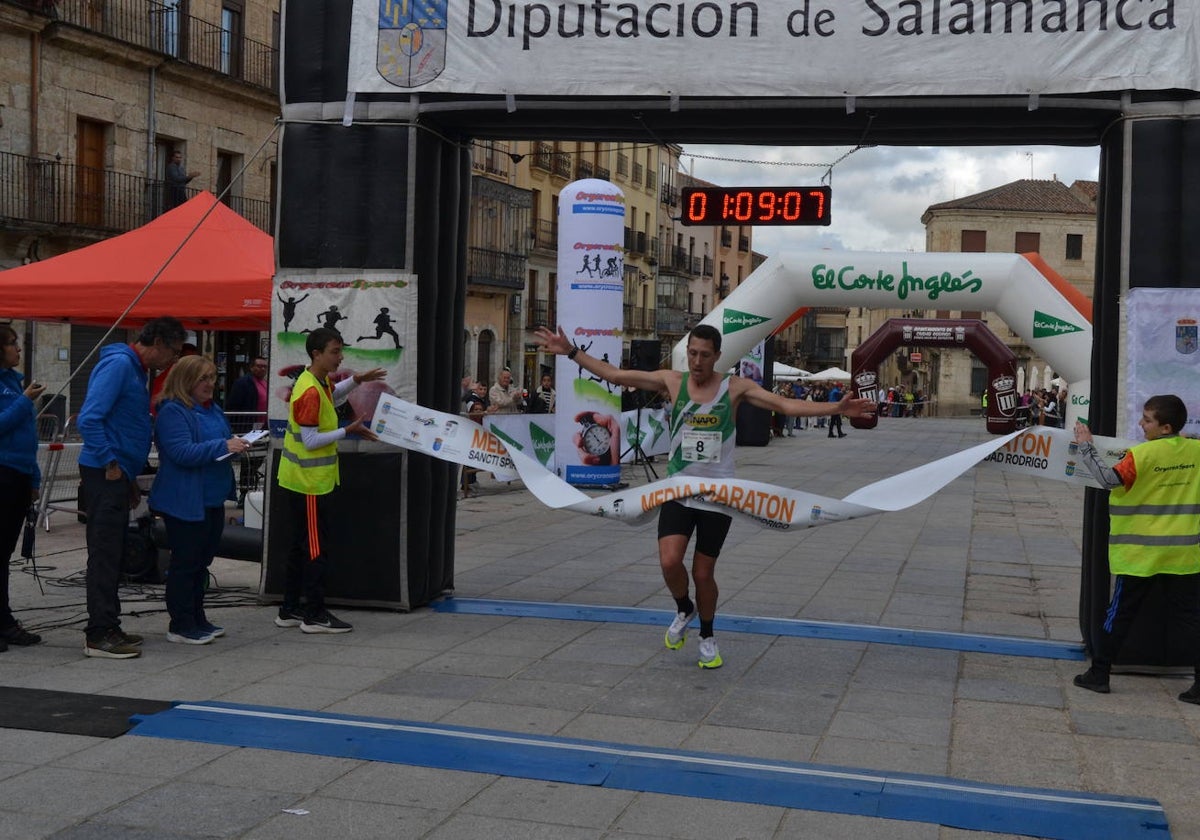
x=20, y=477
x=703, y=427
x=195, y=477
x=1154, y=537
x=308, y=475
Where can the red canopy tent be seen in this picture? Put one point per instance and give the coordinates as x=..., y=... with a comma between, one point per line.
x=219, y=280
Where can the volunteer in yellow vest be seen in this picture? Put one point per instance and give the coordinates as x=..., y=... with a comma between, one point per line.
x=1154, y=536
x=703, y=449
x=308, y=474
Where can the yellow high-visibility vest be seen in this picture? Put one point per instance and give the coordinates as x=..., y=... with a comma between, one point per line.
x=313, y=472
x=1154, y=526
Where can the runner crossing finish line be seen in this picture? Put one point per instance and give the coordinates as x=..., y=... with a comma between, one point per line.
x=452, y=438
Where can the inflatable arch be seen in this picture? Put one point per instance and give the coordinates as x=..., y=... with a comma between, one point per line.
x=1035, y=302
x=1002, y=396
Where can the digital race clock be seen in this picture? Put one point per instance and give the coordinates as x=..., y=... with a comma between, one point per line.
x=756, y=205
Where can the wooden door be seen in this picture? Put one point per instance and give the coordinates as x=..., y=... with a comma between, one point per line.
x=89, y=173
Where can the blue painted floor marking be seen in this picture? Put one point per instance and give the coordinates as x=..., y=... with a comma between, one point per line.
x=969, y=642
x=1062, y=815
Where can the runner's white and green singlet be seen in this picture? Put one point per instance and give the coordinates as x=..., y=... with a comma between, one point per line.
x=703, y=434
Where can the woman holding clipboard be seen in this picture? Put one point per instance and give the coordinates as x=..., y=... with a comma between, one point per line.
x=195, y=478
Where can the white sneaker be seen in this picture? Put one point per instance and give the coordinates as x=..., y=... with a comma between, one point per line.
x=677, y=632
x=710, y=657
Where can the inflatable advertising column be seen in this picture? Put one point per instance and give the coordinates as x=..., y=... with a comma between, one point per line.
x=591, y=281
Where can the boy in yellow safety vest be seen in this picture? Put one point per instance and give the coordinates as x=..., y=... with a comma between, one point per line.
x=308, y=475
x=1154, y=536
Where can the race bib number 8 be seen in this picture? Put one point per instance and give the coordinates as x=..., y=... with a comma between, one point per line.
x=701, y=446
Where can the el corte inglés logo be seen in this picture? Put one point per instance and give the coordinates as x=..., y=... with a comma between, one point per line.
x=732, y=321
x=1046, y=326
x=543, y=443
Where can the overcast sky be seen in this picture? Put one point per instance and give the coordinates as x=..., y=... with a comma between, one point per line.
x=880, y=193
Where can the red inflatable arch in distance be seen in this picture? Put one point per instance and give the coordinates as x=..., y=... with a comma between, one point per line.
x=1002, y=397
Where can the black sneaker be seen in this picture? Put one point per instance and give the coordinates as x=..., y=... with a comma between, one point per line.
x=325, y=622
x=289, y=617
x=111, y=645
x=19, y=636
x=1093, y=680
x=132, y=639
x=1192, y=695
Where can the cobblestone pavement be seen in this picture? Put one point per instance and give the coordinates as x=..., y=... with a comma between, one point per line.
x=991, y=554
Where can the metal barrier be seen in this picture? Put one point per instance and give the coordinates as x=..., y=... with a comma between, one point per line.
x=47, y=427
x=59, y=461
x=251, y=464
x=60, y=480
x=58, y=457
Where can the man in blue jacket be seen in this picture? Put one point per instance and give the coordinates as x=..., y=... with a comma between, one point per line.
x=116, y=430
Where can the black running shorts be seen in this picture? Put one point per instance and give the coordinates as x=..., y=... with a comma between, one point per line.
x=711, y=527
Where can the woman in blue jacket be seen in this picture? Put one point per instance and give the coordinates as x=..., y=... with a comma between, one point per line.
x=20, y=477
x=194, y=480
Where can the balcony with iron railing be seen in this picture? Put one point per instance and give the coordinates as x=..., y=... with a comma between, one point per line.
x=164, y=29
x=726, y=238
x=44, y=191
x=492, y=162
x=540, y=312
x=635, y=241
x=637, y=173
x=706, y=267
x=681, y=260
x=583, y=169
x=603, y=173
x=669, y=195
x=500, y=269
x=743, y=243
x=651, y=180
x=622, y=163
x=543, y=155
x=545, y=234
x=638, y=318
x=560, y=164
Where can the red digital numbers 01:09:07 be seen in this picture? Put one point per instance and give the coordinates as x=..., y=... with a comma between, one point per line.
x=755, y=205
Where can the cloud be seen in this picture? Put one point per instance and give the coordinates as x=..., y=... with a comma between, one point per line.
x=880, y=193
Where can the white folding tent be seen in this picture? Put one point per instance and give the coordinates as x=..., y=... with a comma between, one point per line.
x=788, y=373
x=833, y=374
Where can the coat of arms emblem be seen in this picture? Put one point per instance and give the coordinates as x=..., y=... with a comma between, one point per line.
x=1186, y=335
x=412, y=41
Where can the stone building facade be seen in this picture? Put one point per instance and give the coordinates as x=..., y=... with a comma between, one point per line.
x=1048, y=217
x=93, y=99
x=673, y=274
